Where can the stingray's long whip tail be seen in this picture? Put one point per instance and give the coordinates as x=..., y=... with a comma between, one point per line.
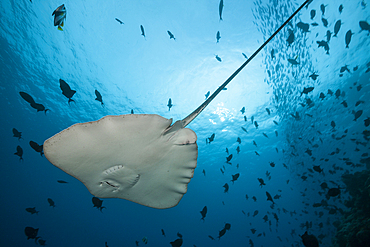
x=195, y=113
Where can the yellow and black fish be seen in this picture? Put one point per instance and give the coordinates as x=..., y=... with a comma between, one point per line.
x=60, y=15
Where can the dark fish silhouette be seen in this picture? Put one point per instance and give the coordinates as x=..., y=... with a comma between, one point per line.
x=227, y=226
x=357, y=114
x=218, y=36
x=220, y=8
x=337, y=26
x=344, y=68
x=31, y=233
x=60, y=15
x=238, y=140
x=269, y=197
x=235, y=177
x=256, y=124
x=244, y=129
x=120, y=22
x=226, y=186
x=367, y=122
x=204, y=172
x=337, y=93
x=309, y=240
x=333, y=192
x=210, y=139
x=328, y=35
x=344, y=103
x=340, y=9
x=51, y=203
x=268, y=111
x=303, y=26
x=324, y=22
x=171, y=35
x=99, y=97
x=254, y=198
x=207, y=95
x=348, y=37
x=29, y=99
x=245, y=56
x=142, y=30
x=322, y=7
x=38, y=148
x=203, y=212
x=261, y=182
x=293, y=61
x=17, y=134
x=163, y=233
x=314, y=76
x=290, y=38
x=318, y=169
x=237, y=151
x=32, y=210
x=177, y=242
x=211, y=237
x=312, y=13
x=228, y=158
x=19, y=152
x=307, y=90
x=323, y=44
x=242, y=110
x=169, y=104
x=97, y=203
x=66, y=90
x=364, y=26
x=221, y=233
x=62, y=182
x=218, y=58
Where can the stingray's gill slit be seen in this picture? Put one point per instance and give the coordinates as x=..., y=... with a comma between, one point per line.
x=139, y=143
x=113, y=169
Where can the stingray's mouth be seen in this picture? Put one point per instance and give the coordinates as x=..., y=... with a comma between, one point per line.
x=106, y=182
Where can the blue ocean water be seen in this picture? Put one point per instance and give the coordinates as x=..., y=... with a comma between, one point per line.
x=313, y=127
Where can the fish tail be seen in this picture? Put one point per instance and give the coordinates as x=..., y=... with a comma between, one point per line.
x=46, y=111
x=60, y=28
x=71, y=100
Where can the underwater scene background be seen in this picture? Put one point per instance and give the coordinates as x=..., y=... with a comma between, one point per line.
x=296, y=119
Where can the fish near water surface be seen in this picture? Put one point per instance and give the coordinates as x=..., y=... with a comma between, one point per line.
x=220, y=8
x=33, y=104
x=99, y=97
x=171, y=35
x=66, y=90
x=60, y=15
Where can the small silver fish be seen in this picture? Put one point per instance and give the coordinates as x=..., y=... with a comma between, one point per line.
x=60, y=15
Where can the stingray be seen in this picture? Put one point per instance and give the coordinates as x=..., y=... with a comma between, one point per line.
x=143, y=158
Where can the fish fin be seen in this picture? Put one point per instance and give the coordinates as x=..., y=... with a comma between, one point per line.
x=60, y=28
